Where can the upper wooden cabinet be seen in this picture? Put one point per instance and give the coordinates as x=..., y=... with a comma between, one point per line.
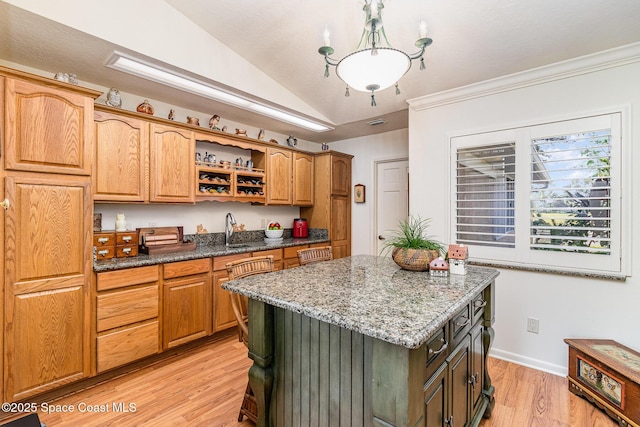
x=171, y=164
x=340, y=175
x=279, y=173
x=121, y=169
x=47, y=129
x=302, y=179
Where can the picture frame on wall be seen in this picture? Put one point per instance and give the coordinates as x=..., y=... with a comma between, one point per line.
x=359, y=193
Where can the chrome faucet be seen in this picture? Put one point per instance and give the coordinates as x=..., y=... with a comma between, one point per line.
x=229, y=222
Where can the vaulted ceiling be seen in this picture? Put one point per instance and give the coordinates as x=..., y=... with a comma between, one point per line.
x=473, y=41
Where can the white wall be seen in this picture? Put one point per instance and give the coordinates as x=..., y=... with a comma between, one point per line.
x=367, y=150
x=566, y=306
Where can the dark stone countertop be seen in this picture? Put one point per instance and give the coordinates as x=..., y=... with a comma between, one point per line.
x=370, y=295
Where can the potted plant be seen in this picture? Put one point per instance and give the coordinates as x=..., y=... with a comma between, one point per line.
x=411, y=248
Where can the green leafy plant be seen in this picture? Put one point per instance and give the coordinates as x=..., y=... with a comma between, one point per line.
x=412, y=234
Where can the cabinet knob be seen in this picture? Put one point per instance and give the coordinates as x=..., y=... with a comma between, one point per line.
x=5, y=204
x=449, y=421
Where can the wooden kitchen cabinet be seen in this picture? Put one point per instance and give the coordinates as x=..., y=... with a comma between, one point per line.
x=47, y=129
x=279, y=173
x=223, y=317
x=127, y=326
x=303, y=183
x=187, y=302
x=171, y=164
x=122, y=153
x=332, y=200
x=47, y=259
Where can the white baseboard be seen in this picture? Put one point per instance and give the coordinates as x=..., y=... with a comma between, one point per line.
x=529, y=362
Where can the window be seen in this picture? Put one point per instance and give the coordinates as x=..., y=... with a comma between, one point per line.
x=544, y=196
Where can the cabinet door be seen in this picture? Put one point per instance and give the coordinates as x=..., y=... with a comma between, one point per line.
x=187, y=309
x=279, y=177
x=172, y=165
x=122, y=144
x=340, y=175
x=459, y=383
x=435, y=399
x=222, y=311
x=340, y=228
x=302, y=179
x=47, y=129
x=477, y=366
x=47, y=273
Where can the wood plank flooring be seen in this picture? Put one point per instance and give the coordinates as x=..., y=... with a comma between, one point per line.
x=205, y=386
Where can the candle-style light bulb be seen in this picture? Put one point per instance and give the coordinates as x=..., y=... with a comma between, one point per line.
x=374, y=9
x=423, y=29
x=327, y=42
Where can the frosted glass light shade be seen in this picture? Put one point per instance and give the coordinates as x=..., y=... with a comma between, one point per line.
x=360, y=69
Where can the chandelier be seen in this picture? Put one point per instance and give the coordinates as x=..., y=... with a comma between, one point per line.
x=375, y=65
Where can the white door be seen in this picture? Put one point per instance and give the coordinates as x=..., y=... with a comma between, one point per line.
x=392, y=198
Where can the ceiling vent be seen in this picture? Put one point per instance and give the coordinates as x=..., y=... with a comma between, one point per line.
x=377, y=122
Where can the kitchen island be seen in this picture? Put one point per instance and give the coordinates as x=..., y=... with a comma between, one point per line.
x=358, y=341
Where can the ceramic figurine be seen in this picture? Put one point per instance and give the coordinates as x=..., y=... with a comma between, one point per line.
x=193, y=120
x=224, y=128
x=241, y=132
x=73, y=79
x=145, y=107
x=213, y=122
x=121, y=223
x=291, y=141
x=62, y=77
x=171, y=115
x=113, y=98
x=261, y=134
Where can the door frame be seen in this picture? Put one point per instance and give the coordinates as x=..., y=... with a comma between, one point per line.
x=374, y=237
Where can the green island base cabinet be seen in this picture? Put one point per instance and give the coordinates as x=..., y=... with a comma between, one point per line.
x=360, y=342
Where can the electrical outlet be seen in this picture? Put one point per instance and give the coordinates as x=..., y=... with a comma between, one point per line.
x=533, y=325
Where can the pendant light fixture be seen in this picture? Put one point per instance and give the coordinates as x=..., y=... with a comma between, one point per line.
x=375, y=65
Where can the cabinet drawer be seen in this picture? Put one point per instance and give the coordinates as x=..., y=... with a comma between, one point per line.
x=220, y=263
x=105, y=252
x=104, y=239
x=127, y=238
x=124, y=307
x=126, y=251
x=437, y=349
x=126, y=345
x=292, y=252
x=128, y=277
x=477, y=307
x=277, y=254
x=187, y=268
x=460, y=325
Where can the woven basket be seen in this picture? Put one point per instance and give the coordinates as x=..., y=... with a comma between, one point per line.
x=413, y=259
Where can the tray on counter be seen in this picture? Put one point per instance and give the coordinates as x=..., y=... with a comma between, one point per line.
x=163, y=240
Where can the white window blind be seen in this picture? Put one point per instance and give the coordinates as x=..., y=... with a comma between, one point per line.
x=545, y=196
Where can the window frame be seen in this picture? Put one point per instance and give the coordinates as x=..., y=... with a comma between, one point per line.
x=522, y=256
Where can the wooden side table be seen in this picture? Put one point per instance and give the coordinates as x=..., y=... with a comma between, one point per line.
x=607, y=374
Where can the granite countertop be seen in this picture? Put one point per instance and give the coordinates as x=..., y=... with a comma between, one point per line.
x=210, y=247
x=370, y=295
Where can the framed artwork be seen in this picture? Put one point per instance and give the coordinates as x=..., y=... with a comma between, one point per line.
x=359, y=192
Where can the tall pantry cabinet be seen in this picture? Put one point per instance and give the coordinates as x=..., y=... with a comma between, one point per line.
x=332, y=200
x=46, y=145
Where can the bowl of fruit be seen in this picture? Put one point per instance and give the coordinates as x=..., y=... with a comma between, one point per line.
x=274, y=230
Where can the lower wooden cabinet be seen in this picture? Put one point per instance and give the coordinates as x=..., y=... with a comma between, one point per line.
x=127, y=313
x=186, y=309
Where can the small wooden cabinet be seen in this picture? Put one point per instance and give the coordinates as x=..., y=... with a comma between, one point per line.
x=303, y=183
x=127, y=313
x=279, y=173
x=47, y=129
x=186, y=302
x=332, y=200
x=171, y=164
x=122, y=150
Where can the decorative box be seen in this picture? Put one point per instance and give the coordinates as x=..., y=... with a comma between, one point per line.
x=458, y=255
x=607, y=374
x=439, y=268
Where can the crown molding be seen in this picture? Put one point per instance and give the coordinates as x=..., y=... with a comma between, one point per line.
x=599, y=61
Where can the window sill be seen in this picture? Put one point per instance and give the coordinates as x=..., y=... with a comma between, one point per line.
x=607, y=276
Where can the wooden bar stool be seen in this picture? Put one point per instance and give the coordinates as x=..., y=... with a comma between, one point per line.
x=238, y=269
x=311, y=255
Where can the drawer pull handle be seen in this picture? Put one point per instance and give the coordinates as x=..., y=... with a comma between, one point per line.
x=479, y=304
x=443, y=347
x=103, y=252
x=103, y=239
x=465, y=323
x=126, y=250
x=126, y=238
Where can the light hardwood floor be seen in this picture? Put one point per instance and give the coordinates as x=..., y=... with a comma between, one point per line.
x=205, y=386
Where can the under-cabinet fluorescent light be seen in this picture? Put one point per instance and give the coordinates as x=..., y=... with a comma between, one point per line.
x=147, y=71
